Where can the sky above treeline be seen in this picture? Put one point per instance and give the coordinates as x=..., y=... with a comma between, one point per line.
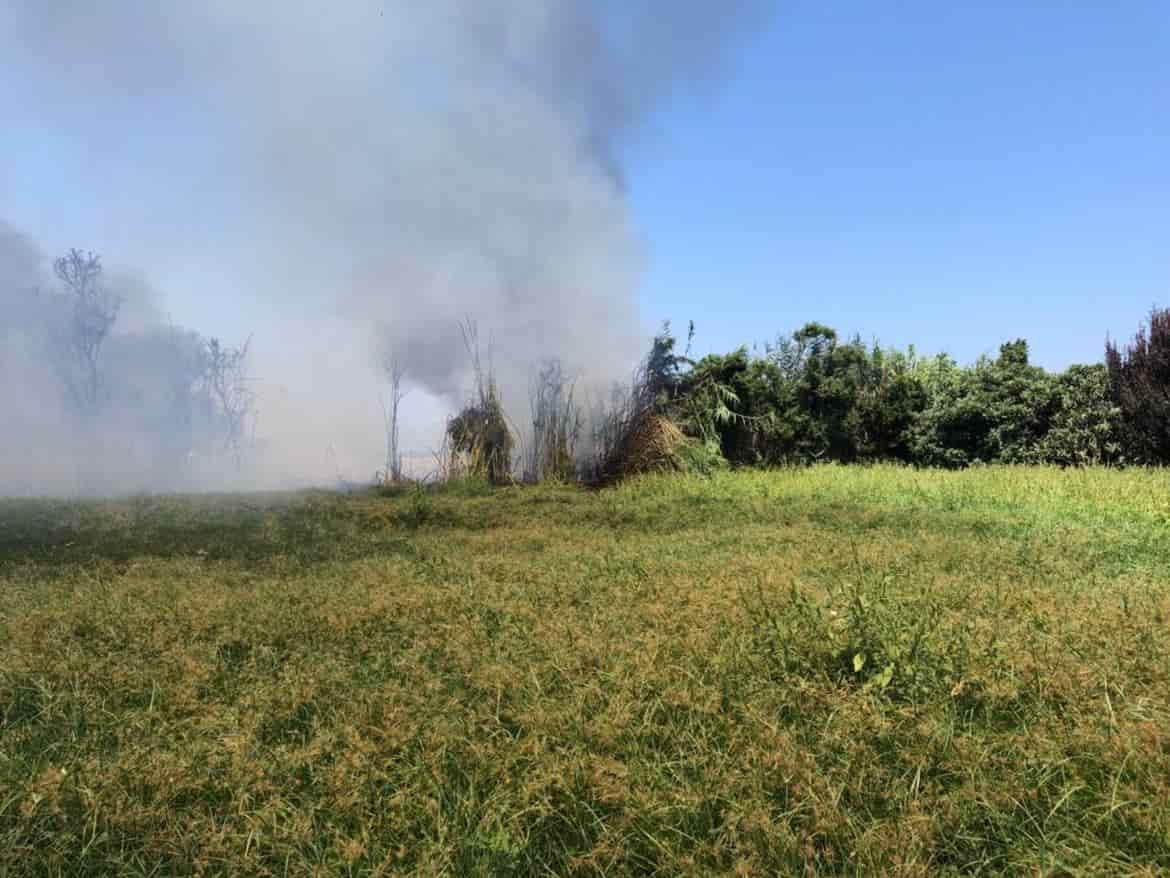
x=946, y=174
x=949, y=175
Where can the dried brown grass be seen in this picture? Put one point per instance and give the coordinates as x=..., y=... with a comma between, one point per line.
x=651, y=444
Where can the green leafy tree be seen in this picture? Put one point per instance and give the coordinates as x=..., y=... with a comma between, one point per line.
x=1085, y=428
x=888, y=402
x=996, y=411
x=729, y=402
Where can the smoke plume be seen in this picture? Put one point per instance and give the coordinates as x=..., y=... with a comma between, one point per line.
x=353, y=175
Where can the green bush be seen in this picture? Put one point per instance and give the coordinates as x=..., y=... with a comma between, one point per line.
x=997, y=411
x=1085, y=426
x=701, y=458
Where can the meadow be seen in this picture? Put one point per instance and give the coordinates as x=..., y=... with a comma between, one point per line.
x=819, y=671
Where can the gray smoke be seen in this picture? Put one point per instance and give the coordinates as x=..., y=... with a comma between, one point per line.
x=376, y=172
x=136, y=436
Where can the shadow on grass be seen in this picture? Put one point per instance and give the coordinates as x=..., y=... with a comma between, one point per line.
x=303, y=528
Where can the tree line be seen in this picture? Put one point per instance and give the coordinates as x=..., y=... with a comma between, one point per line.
x=812, y=396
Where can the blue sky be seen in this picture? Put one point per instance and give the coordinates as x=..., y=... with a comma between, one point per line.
x=949, y=175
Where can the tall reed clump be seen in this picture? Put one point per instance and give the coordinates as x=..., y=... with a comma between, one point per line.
x=393, y=372
x=480, y=441
x=556, y=426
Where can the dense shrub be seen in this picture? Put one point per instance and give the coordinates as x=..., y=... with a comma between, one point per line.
x=812, y=397
x=998, y=410
x=1085, y=427
x=809, y=398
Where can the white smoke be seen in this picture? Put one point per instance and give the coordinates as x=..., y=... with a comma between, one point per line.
x=370, y=172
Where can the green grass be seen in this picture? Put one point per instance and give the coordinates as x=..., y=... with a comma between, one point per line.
x=833, y=671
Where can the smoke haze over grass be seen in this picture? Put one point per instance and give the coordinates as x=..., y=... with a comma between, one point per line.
x=328, y=177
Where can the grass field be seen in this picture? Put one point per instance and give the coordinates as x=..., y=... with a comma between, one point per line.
x=828, y=671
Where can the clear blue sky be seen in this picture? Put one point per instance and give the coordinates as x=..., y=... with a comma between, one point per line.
x=952, y=175
x=947, y=174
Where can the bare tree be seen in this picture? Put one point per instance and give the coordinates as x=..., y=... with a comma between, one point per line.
x=92, y=312
x=394, y=372
x=226, y=379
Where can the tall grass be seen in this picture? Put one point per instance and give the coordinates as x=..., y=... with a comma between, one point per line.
x=556, y=425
